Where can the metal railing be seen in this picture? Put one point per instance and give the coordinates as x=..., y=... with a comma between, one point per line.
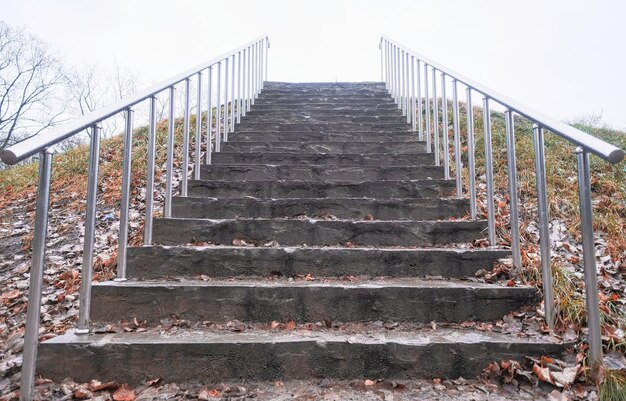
x=240, y=92
x=407, y=74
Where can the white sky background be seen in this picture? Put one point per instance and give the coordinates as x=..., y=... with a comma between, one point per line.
x=566, y=58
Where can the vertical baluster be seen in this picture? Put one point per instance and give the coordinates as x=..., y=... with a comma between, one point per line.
x=413, y=100
x=125, y=201
x=435, y=120
x=218, y=109
x=471, y=154
x=184, y=168
x=169, y=167
x=420, y=135
x=402, y=83
x=392, y=64
x=544, y=226
x=387, y=66
x=253, y=72
x=232, y=97
x=380, y=47
x=427, y=102
x=244, y=82
x=589, y=261
x=147, y=235
x=457, y=139
x=512, y=172
x=444, y=128
x=90, y=228
x=198, y=139
x=398, y=78
x=267, y=52
x=407, y=95
x=249, y=82
x=31, y=333
x=491, y=218
x=209, y=121
x=239, y=84
x=226, y=99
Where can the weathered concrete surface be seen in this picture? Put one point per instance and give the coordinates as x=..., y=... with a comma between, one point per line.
x=259, y=108
x=262, y=172
x=215, y=357
x=347, y=126
x=324, y=136
x=389, y=300
x=321, y=110
x=346, y=159
x=154, y=262
x=343, y=208
x=175, y=231
x=303, y=189
x=319, y=147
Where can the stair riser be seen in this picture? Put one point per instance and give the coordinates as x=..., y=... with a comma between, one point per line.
x=321, y=232
x=318, y=173
x=366, y=91
x=158, y=262
x=330, y=102
x=219, y=362
x=329, y=136
x=264, y=304
x=324, y=147
x=303, y=189
x=359, y=209
x=310, y=119
x=325, y=160
x=322, y=111
x=322, y=127
x=354, y=97
x=259, y=108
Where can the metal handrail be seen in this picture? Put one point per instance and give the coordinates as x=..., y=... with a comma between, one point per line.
x=33, y=145
x=406, y=89
x=586, y=141
x=229, y=107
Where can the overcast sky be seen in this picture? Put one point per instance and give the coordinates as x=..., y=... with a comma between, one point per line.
x=566, y=58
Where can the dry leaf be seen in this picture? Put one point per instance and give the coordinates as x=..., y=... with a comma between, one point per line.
x=290, y=325
x=124, y=394
x=369, y=382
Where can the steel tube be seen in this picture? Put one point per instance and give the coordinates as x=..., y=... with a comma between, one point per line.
x=232, y=97
x=457, y=140
x=226, y=100
x=398, y=79
x=382, y=78
x=420, y=135
x=122, y=243
x=90, y=228
x=544, y=227
x=589, y=259
x=147, y=235
x=491, y=218
x=413, y=100
x=435, y=121
x=244, y=106
x=169, y=166
x=185, y=166
x=253, y=67
x=218, y=111
x=403, y=83
x=471, y=155
x=31, y=332
x=267, y=52
x=444, y=128
x=198, y=139
x=513, y=204
x=388, y=65
x=239, y=82
x=427, y=102
x=249, y=81
x=407, y=95
x=209, y=122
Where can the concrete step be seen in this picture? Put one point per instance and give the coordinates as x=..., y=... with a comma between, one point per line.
x=304, y=118
x=178, y=231
x=335, y=94
x=380, y=189
x=323, y=111
x=263, y=301
x=258, y=172
x=344, y=159
x=278, y=85
x=326, y=136
x=329, y=101
x=387, y=107
x=342, y=208
x=298, y=147
x=216, y=356
x=344, y=126
x=156, y=262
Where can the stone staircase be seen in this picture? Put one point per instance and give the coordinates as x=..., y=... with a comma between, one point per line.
x=319, y=243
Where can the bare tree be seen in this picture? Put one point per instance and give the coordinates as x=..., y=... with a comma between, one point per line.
x=29, y=78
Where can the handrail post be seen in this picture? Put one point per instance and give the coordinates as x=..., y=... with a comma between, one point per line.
x=491, y=218
x=457, y=140
x=267, y=52
x=427, y=101
x=198, y=139
x=239, y=82
x=435, y=121
x=544, y=226
x=444, y=128
x=90, y=225
x=413, y=100
x=232, y=97
x=589, y=261
x=420, y=122
x=512, y=173
x=209, y=122
x=147, y=236
x=122, y=242
x=226, y=99
x=471, y=164
x=167, y=207
x=31, y=333
x=403, y=83
x=249, y=82
x=218, y=109
x=185, y=166
x=407, y=84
